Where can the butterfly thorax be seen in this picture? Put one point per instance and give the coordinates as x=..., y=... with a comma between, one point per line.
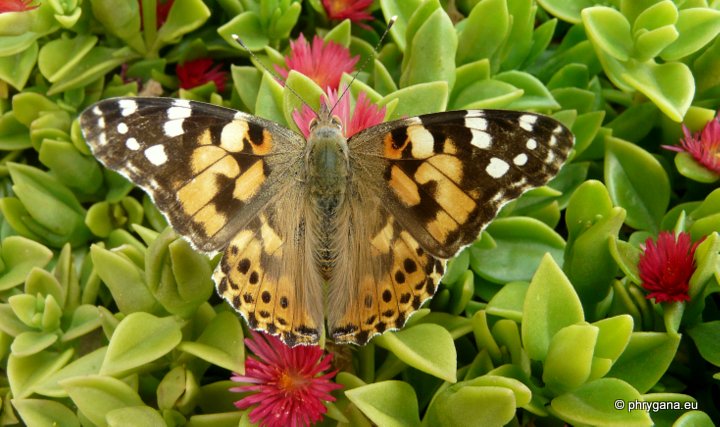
x=327, y=175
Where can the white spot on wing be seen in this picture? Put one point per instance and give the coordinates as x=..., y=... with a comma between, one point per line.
x=97, y=111
x=175, y=113
x=173, y=127
x=558, y=130
x=101, y=122
x=156, y=155
x=127, y=107
x=480, y=139
x=422, y=141
x=553, y=140
x=122, y=128
x=476, y=123
x=233, y=134
x=497, y=167
x=101, y=138
x=550, y=157
x=520, y=159
x=184, y=103
x=527, y=121
x=132, y=144
x=531, y=144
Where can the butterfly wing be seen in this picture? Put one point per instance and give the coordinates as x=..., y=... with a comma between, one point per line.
x=441, y=179
x=225, y=180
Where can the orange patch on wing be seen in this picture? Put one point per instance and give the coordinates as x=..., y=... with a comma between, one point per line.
x=210, y=219
x=441, y=226
x=404, y=187
x=390, y=151
x=248, y=184
x=447, y=194
x=200, y=190
x=263, y=147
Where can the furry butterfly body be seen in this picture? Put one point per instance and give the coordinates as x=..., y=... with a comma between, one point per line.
x=349, y=235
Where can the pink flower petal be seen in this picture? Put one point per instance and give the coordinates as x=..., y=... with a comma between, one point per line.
x=288, y=386
x=666, y=267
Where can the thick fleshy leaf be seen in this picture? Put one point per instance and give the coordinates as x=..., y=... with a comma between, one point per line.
x=140, y=338
x=248, y=27
x=59, y=56
x=419, y=99
x=124, y=279
x=50, y=203
x=25, y=373
x=484, y=31
x=426, y=347
x=135, y=415
x=629, y=172
x=521, y=244
x=596, y=403
x=387, y=403
x=221, y=343
x=184, y=17
x=569, y=358
x=96, y=395
x=670, y=86
x=645, y=359
x=696, y=27
x=29, y=343
x=705, y=335
x=509, y=301
x=458, y=403
x=592, y=280
x=19, y=256
x=609, y=30
x=404, y=10
x=550, y=305
x=614, y=334
x=566, y=10
x=45, y=413
x=15, y=69
x=88, y=364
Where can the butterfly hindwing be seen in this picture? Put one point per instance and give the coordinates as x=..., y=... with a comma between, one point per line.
x=268, y=272
x=209, y=169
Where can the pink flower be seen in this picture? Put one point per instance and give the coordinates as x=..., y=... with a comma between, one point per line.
x=704, y=146
x=365, y=114
x=17, y=5
x=200, y=71
x=355, y=11
x=325, y=63
x=666, y=266
x=287, y=384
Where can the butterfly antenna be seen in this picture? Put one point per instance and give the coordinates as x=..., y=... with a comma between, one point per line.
x=272, y=73
x=367, y=60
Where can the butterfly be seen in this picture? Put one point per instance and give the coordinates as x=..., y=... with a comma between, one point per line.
x=344, y=235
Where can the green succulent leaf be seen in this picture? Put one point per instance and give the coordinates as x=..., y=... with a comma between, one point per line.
x=387, y=403
x=138, y=339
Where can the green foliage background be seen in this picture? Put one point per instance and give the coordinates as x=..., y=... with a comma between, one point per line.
x=107, y=318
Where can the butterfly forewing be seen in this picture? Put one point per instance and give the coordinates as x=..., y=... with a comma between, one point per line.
x=446, y=175
x=209, y=169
